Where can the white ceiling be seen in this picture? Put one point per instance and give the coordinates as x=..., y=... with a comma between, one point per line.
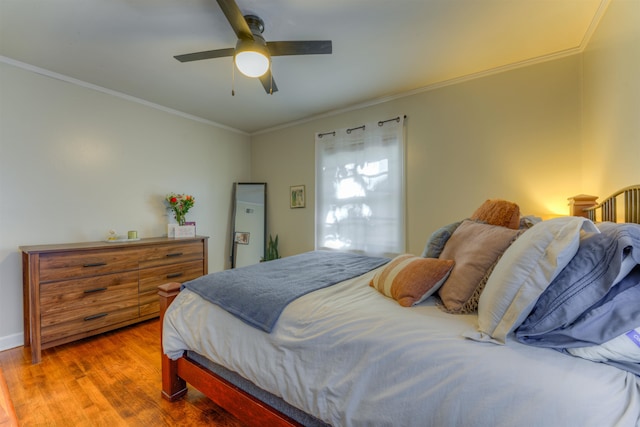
x=380, y=48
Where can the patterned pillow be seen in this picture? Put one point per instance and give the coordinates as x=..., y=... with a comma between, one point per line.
x=410, y=279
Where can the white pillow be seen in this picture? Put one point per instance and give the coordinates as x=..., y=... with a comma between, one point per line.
x=525, y=270
x=623, y=348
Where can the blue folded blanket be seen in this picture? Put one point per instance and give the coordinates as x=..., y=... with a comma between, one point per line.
x=257, y=294
x=585, y=305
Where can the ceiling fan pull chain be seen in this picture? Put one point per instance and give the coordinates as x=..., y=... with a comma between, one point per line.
x=233, y=79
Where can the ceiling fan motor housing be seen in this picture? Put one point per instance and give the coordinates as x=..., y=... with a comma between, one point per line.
x=255, y=24
x=256, y=59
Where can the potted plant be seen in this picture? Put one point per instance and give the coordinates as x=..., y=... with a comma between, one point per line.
x=272, y=250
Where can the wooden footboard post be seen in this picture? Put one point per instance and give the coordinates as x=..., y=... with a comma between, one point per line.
x=173, y=387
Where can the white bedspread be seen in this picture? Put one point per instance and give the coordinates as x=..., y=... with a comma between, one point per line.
x=325, y=357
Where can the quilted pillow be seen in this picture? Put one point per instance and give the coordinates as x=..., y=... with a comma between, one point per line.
x=498, y=212
x=410, y=279
x=475, y=247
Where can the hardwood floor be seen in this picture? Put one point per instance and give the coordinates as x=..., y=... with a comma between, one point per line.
x=109, y=380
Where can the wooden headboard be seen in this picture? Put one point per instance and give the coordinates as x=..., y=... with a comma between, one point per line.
x=621, y=206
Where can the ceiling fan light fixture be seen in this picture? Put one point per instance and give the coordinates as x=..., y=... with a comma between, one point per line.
x=252, y=64
x=252, y=58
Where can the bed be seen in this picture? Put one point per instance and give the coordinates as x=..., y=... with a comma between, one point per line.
x=503, y=320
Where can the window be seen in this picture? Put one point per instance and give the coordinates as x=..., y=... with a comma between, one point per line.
x=360, y=189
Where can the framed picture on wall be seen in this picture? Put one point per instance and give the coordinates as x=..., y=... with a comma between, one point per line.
x=296, y=199
x=242, y=238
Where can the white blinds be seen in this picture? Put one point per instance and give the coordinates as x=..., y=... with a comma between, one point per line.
x=360, y=188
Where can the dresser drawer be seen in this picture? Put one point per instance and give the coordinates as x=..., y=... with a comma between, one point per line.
x=64, y=265
x=76, y=306
x=151, y=278
x=171, y=253
x=81, y=297
x=99, y=319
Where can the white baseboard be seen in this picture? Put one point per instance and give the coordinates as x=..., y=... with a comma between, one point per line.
x=11, y=341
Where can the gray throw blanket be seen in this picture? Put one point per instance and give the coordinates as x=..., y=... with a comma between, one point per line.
x=257, y=294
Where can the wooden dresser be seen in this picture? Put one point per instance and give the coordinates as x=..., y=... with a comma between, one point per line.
x=75, y=290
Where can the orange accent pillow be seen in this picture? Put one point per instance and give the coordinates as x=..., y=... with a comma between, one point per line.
x=498, y=212
x=410, y=279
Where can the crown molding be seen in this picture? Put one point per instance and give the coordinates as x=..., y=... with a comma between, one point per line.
x=77, y=82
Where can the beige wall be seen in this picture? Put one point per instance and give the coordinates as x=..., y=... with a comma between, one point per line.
x=611, y=115
x=513, y=135
x=535, y=135
x=75, y=162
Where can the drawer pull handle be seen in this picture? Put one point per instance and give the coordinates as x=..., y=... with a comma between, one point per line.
x=95, y=264
x=174, y=254
x=95, y=316
x=173, y=275
x=90, y=291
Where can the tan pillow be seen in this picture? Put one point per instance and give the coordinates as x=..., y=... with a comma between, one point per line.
x=410, y=279
x=498, y=212
x=475, y=247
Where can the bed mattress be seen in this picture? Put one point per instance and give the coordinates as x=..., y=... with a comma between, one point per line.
x=351, y=357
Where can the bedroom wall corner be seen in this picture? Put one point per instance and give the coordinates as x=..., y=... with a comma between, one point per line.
x=611, y=101
x=76, y=162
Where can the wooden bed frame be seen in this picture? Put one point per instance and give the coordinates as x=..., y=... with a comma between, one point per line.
x=252, y=411
x=628, y=197
x=177, y=373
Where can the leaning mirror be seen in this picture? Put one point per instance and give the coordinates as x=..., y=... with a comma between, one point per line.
x=248, y=234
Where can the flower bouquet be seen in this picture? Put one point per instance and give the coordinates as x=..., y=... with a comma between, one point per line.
x=180, y=204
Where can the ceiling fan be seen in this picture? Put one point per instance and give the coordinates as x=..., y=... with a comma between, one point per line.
x=252, y=54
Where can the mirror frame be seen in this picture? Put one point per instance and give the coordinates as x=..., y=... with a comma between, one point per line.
x=233, y=244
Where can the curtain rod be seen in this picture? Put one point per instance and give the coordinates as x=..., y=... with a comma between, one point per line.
x=333, y=133
x=397, y=119
x=380, y=123
x=359, y=127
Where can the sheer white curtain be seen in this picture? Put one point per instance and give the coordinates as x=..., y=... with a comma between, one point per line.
x=360, y=188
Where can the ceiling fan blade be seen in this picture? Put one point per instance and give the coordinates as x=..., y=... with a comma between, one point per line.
x=310, y=47
x=236, y=19
x=207, y=54
x=268, y=82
